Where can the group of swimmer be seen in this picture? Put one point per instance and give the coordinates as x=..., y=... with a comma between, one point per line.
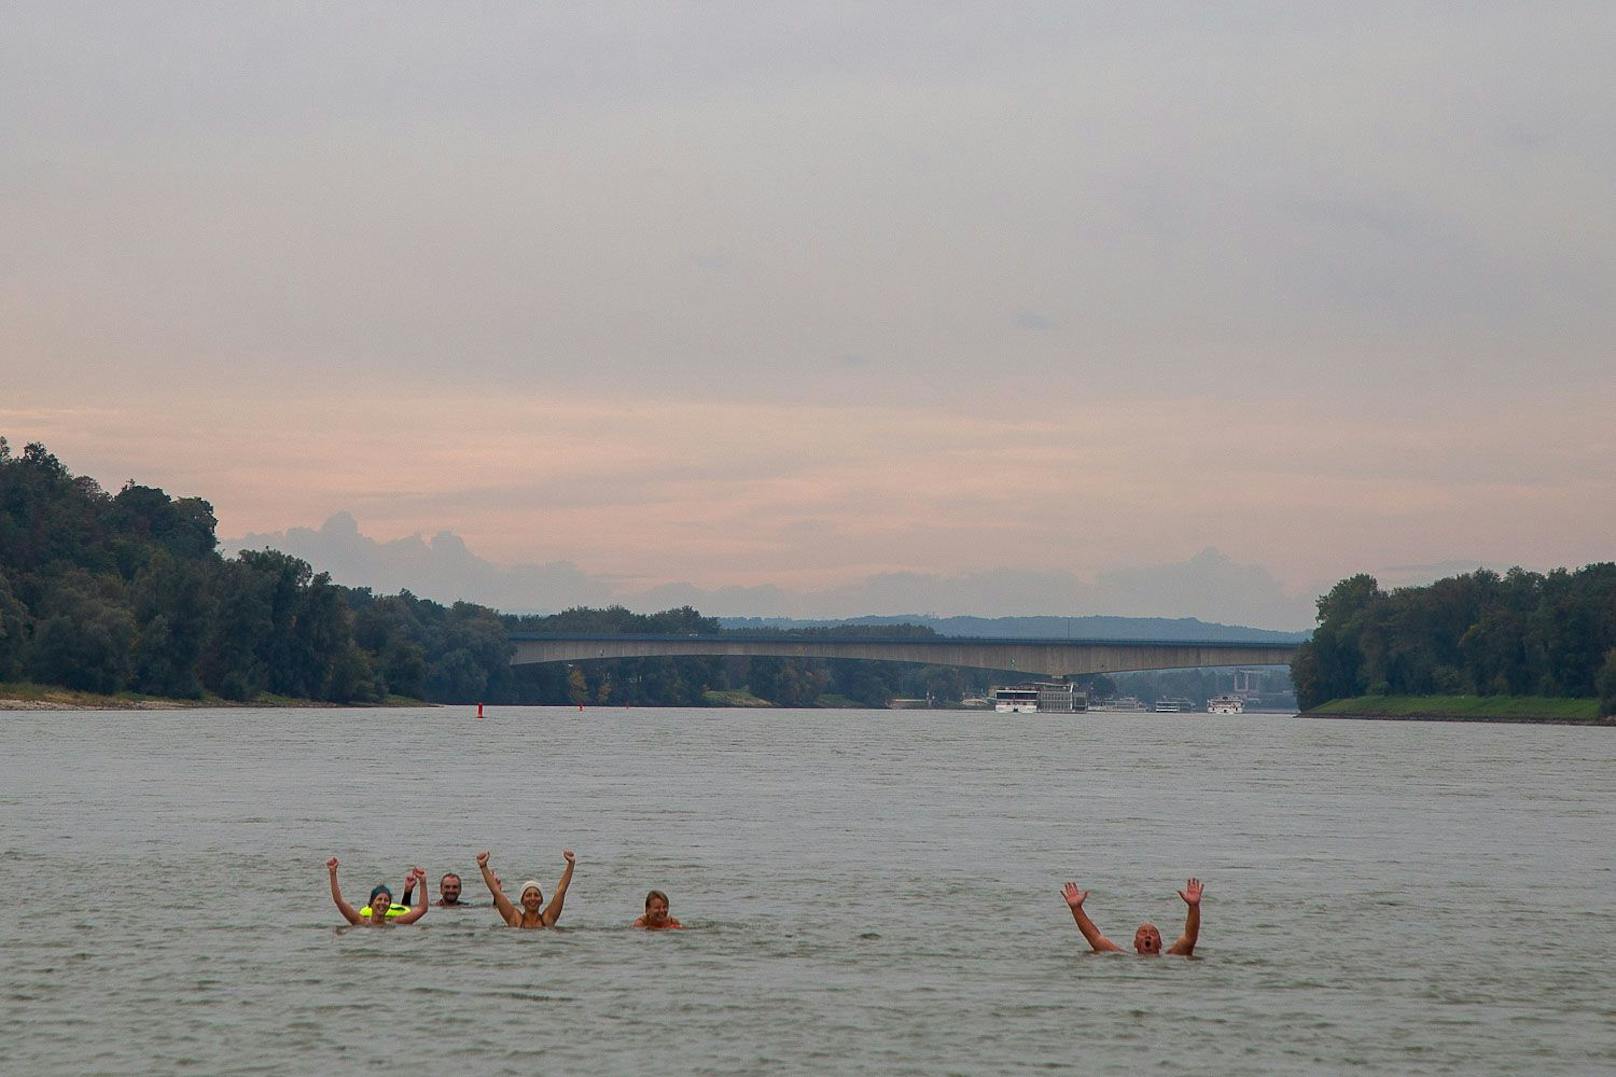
x=532, y=912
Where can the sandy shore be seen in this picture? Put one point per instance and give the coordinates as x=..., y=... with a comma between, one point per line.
x=99, y=705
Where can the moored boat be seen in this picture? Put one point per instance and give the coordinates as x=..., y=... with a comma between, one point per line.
x=1016, y=699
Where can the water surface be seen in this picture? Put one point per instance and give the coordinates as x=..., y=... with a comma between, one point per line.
x=866, y=892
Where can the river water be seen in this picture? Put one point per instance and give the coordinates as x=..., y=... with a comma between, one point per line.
x=865, y=892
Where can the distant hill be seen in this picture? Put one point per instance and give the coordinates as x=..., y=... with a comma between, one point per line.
x=1140, y=628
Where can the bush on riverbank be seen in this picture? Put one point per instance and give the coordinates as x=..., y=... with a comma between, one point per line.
x=1480, y=634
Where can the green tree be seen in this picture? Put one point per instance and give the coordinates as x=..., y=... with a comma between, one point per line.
x=13, y=626
x=172, y=614
x=577, y=686
x=456, y=677
x=85, y=635
x=1606, y=683
x=1344, y=652
x=403, y=668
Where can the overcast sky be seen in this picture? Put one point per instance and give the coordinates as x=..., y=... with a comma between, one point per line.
x=802, y=295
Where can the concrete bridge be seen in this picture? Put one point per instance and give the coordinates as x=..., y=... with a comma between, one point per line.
x=1051, y=657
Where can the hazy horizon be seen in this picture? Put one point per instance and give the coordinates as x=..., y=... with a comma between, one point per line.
x=827, y=304
x=1208, y=586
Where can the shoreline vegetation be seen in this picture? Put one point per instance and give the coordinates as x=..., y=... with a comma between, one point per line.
x=1523, y=646
x=1526, y=710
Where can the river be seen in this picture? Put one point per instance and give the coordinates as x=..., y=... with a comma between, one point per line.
x=864, y=891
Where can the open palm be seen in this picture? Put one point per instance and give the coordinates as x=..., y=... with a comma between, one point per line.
x=1192, y=892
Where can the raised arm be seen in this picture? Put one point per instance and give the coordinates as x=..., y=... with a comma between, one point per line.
x=1185, y=946
x=349, y=913
x=552, y=911
x=501, y=902
x=416, y=877
x=1074, y=901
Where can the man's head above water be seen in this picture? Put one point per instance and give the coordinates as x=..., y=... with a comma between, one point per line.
x=1147, y=940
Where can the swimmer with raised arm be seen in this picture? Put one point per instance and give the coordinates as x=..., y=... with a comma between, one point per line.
x=656, y=916
x=1147, y=941
x=448, y=891
x=531, y=911
x=381, y=899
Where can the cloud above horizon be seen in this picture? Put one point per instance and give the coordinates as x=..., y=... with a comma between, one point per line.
x=1209, y=585
x=889, y=298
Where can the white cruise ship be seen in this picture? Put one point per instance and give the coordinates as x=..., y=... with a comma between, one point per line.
x=1016, y=700
x=1225, y=705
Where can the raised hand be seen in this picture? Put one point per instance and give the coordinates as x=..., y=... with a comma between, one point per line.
x=566, y=854
x=331, y=865
x=482, y=859
x=1074, y=897
x=1192, y=892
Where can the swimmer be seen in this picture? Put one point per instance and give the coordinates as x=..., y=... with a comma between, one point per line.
x=532, y=912
x=1147, y=941
x=656, y=916
x=381, y=899
x=448, y=892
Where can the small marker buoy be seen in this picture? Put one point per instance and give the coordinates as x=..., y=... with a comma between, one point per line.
x=479, y=710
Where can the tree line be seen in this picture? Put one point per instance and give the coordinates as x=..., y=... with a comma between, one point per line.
x=1520, y=633
x=127, y=591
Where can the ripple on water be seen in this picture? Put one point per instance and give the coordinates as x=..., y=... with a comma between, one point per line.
x=874, y=892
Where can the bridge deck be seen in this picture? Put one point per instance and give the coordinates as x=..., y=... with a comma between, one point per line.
x=1053, y=657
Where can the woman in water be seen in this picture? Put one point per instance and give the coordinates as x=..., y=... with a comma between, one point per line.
x=656, y=916
x=532, y=912
x=381, y=899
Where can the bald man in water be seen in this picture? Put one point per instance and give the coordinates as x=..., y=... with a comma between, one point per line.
x=1147, y=941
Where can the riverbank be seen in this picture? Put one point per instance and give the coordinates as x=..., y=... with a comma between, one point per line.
x=49, y=697
x=1526, y=710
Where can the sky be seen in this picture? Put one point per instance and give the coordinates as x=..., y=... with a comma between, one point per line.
x=1002, y=308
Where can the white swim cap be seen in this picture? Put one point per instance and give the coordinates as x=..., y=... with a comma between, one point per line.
x=531, y=884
